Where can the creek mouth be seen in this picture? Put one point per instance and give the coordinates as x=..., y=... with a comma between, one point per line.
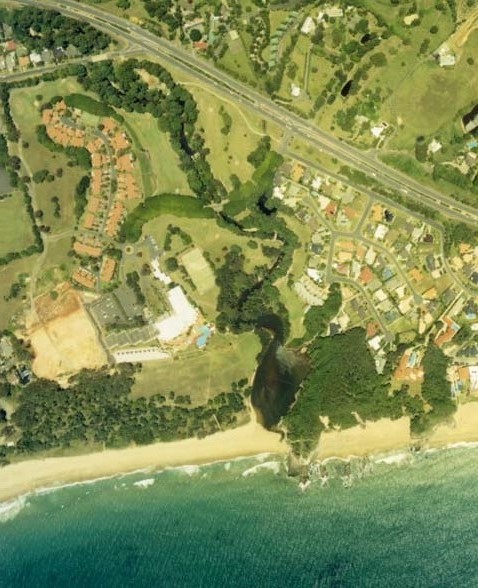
x=278, y=375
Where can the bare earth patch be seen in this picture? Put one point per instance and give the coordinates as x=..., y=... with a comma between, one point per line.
x=63, y=337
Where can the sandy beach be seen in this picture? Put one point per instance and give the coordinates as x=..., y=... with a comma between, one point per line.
x=27, y=476
x=380, y=437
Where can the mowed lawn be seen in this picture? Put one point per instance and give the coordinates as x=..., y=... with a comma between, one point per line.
x=26, y=114
x=159, y=162
x=199, y=270
x=228, y=153
x=226, y=359
x=210, y=237
x=15, y=225
x=295, y=305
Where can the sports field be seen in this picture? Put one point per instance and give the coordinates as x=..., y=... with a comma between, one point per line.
x=198, y=269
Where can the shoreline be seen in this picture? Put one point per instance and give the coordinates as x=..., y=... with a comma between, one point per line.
x=25, y=477
x=383, y=439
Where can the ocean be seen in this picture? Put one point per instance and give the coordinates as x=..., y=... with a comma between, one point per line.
x=246, y=524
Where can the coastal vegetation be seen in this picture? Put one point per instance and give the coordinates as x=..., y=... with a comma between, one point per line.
x=438, y=405
x=97, y=408
x=342, y=382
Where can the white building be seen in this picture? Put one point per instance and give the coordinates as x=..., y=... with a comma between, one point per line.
x=381, y=232
x=295, y=90
x=158, y=274
x=35, y=58
x=434, y=146
x=308, y=27
x=182, y=317
x=448, y=60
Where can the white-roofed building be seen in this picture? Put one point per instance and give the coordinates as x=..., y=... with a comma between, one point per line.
x=158, y=274
x=381, y=232
x=308, y=27
x=182, y=317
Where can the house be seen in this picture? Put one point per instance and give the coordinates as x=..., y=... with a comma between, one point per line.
x=201, y=45
x=295, y=90
x=334, y=12
x=35, y=58
x=470, y=120
x=308, y=27
x=107, y=269
x=84, y=249
x=434, y=146
x=72, y=52
x=11, y=61
x=47, y=56
x=366, y=276
x=447, y=60
x=85, y=278
x=24, y=62
x=375, y=342
x=24, y=375
x=381, y=232
x=449, y=330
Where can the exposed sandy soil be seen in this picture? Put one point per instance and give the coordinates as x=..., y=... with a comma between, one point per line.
x=62, y=335
x=458, y=39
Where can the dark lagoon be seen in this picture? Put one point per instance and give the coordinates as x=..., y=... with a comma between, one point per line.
x=278, y=375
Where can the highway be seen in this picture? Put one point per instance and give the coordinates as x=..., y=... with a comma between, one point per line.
x=245, y=95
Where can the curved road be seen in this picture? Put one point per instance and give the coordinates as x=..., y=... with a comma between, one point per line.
x=185, y=60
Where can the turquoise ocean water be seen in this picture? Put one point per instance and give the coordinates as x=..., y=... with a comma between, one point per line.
x=413, y=524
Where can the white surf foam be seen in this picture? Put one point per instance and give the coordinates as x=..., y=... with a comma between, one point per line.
x=9, y=510
x=144, y=483
x=273, y=466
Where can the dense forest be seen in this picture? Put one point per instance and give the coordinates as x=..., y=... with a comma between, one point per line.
x=97, y=408
x=40, y=29
x=343, y=380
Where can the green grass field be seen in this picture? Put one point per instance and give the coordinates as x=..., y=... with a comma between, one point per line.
x=27, y=117
x=199, y=270
x=9, y=274
x=15, y=225
x=429, y=100
x=209, y=237
x=158, y=160
x=295, y=306
x=57, y=266
x=226, y=359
